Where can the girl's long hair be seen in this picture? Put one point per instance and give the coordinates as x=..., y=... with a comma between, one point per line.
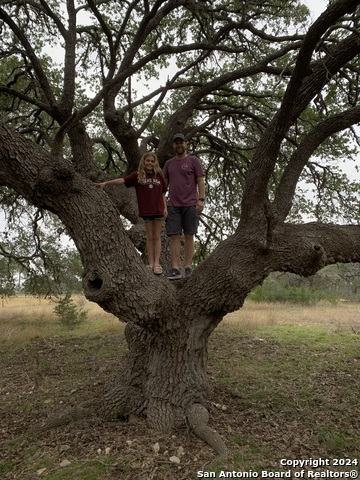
x=141, y=168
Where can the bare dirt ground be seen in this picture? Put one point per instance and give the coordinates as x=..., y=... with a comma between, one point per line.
x=270, y=397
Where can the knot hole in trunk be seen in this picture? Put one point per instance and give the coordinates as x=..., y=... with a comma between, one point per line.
x=95, y=283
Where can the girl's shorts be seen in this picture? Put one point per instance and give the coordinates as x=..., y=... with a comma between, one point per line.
x=151, y=218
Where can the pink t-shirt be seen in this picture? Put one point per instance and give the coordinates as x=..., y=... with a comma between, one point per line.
x=182, y=175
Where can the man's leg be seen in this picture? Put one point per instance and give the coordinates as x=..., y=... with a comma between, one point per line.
x=173, y=230
x=175, y=250
x=190, y=221
x=189, y=247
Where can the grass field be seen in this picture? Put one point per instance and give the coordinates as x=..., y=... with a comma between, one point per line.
x=284, y=384
x=24, y=318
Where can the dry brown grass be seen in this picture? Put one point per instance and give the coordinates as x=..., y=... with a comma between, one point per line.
x=342, y=316
x=24, y=318
x=283, y=383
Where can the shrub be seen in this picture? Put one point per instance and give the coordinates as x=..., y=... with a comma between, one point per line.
x=69, y=315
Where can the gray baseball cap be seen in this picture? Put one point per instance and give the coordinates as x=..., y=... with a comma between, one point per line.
x=178, y=135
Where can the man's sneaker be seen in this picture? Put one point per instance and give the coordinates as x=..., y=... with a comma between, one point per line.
x=173, y=274
x=188, y=273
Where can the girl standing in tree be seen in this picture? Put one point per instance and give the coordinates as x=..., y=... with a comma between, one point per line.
x=150, y=187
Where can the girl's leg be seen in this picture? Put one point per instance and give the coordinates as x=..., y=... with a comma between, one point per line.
x=157, y=228
x=150, y=243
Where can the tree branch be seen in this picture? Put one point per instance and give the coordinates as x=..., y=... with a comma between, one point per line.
x=32, y=56
x=303, y=86
x=238, y=264
x=336, y=123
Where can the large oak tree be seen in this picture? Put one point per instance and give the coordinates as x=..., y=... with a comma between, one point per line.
x=258, y=91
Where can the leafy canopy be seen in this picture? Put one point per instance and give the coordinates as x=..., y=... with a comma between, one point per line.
x=216, y=69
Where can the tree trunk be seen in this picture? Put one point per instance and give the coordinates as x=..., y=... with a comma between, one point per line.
x=164, y=376
x=164, y=380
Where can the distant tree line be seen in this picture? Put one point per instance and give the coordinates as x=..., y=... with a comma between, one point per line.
x=55, y=278
x=333, y=283
x=340, y=282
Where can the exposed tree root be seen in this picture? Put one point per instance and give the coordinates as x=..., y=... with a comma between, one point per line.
x=198, y=418
x=115, y=403
x=73, y=414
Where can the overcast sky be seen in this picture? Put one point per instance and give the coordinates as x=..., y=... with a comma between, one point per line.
x=316, y=7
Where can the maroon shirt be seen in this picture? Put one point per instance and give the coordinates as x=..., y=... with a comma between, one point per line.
x=149, y=195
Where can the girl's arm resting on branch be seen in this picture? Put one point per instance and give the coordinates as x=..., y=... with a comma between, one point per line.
x=116, y=181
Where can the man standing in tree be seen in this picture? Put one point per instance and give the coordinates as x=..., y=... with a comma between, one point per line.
x=185, y=177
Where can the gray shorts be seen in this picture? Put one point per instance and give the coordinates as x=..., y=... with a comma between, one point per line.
x=152, y=218
x=182, y=219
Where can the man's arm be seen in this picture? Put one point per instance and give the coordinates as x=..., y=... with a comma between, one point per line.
x=201, y=186
x=201, y=189
x=165, y=206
